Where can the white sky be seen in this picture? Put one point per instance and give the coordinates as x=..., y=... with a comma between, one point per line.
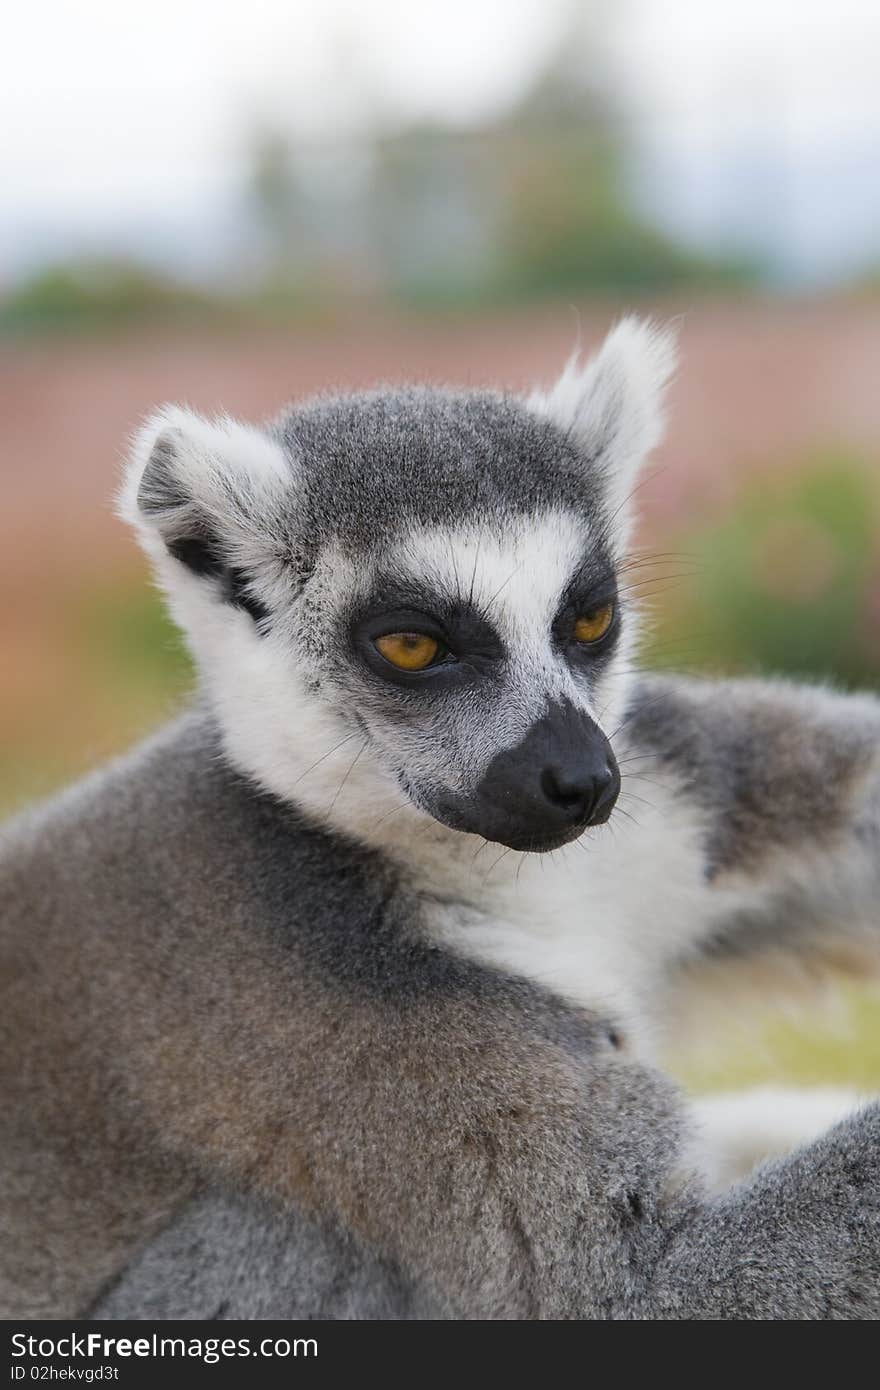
x=114, y=110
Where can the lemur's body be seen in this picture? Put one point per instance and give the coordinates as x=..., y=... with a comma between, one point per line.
x=285, y=1036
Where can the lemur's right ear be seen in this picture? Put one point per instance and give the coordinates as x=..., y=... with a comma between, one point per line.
x=203, y=496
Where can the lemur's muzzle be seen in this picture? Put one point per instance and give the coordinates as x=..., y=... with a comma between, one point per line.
x=561, y=779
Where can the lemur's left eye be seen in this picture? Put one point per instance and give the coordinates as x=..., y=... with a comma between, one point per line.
x=592, y=626
x=408, y=651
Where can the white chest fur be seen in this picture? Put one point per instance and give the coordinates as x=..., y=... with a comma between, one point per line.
x=597, y=922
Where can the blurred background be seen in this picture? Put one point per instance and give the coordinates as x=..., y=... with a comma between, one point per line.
x=234, y=204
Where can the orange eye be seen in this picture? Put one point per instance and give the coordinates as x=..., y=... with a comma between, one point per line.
x=408, y=651
x=591, y=627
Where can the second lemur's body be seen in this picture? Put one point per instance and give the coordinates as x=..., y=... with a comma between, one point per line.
x=340, y=997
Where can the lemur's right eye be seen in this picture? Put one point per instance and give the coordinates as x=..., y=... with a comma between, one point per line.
x=408, y=651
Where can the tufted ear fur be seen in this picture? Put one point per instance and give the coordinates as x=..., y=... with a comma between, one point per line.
x=612, y=405
x=204, y=497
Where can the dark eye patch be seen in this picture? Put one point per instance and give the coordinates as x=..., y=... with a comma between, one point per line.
x=468, y=640
x=593, y=587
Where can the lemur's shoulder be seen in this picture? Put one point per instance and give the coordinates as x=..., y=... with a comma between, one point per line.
x=168, y=844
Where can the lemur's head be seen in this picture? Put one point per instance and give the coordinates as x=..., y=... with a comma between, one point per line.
x=404, y=604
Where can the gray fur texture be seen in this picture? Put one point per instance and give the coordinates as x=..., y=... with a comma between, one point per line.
x=314, y=1022
x=227, y=1257
x=797, y=1241
x=486, y=1139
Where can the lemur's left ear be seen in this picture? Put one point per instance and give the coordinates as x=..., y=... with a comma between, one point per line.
x=203, y=497
x=612, y=405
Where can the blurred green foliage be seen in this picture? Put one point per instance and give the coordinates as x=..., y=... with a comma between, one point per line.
x=567, y=222
x=99, y=293
x=126, y=634
x=787, y=582
x=535, y=207
x=123, y=668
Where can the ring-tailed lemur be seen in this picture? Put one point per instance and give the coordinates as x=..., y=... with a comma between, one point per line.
x=338, y=997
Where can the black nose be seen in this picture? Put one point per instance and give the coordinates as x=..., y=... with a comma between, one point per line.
x=545, y=791
x=586, y=793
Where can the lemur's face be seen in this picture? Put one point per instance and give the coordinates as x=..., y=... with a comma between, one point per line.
x=404, y=605
x=480, y=659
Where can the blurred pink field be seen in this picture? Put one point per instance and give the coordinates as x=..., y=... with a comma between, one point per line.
x=759, y=382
